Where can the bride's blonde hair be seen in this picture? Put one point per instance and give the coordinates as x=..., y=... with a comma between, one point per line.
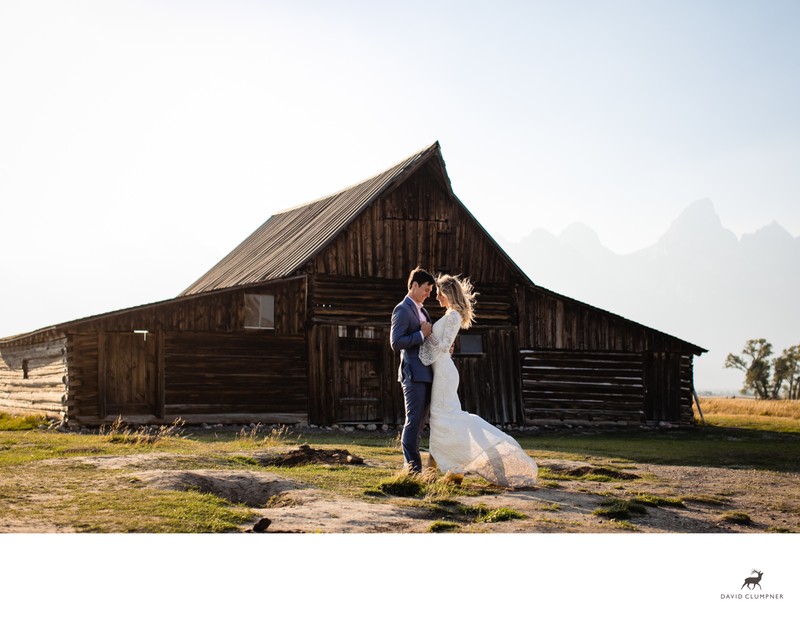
x=459, y=292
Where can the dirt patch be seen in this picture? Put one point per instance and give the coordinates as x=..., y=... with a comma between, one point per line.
x=133, y=461
x=579, y=472
x=312, y=510
x=284, y=506
x=305, y=454
x=251, y=488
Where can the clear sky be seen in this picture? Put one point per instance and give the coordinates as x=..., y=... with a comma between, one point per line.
x=141, y=141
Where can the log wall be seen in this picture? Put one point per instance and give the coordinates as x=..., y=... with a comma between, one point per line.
x=606, y=388
x=213, y=373
x=489, y=383
x=353, y=370
x=197, y=358
x=33, y=379
x=668, y=381
x=582, y=388
x=370, y=301
x=84, y=383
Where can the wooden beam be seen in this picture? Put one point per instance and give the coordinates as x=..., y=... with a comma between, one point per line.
x=101, y=374
x=160, y=375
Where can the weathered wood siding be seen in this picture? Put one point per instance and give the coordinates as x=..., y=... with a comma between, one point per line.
x=489, y=384
x=352, y=373
x=584, y=365
x=548, y=320
x=197, y=358
x=355, y=283
x=131, y=377
x=668, y=383
x=687, y=389
x=582, y=388
x=351, y=363
x=416, y=223
x=84, y=369
x=33, y=379
x=217, y=311
x=217, y=373
x=328, y=355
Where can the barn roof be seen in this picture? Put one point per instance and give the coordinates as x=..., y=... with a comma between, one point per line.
x=291, y=238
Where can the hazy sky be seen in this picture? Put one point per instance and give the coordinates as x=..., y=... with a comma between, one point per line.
x=141, y=141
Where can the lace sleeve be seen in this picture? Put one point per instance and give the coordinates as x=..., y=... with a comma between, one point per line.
x=434, y=346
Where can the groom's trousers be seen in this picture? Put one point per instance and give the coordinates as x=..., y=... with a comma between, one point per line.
x=417, y=396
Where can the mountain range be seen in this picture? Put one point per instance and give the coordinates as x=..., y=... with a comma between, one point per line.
x=699, y=282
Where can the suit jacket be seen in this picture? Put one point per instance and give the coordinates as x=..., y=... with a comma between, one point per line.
x=405, y=337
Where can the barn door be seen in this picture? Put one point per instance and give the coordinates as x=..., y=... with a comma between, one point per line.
x=131, y=385
x=662, y=383
x=360, y=356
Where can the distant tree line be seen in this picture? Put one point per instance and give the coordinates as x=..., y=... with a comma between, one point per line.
x=768, y=376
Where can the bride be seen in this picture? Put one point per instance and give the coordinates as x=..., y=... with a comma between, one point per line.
x=461, y=442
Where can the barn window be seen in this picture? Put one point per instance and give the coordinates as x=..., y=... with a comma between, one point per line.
x=361, y=332
x=25, y=369
x=259, y=311
x=470, y=345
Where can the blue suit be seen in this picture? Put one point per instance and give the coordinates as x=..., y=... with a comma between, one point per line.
x=415, y=377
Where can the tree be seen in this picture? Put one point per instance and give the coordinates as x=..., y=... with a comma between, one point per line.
x=756, y=366
x=787, y=369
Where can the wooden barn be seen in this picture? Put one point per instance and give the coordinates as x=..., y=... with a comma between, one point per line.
x=293, y=326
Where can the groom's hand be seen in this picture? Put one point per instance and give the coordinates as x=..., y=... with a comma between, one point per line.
x=427, y=327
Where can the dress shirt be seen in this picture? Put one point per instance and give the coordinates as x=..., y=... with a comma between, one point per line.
x=420, y=315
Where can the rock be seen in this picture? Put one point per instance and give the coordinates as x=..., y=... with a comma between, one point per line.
x=262, y=525
x=453, y=478
x=349, y=428
x=385, y=427
x=372, y=427
x=360, y=427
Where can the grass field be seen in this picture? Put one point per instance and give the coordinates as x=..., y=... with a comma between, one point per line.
x=52, y=481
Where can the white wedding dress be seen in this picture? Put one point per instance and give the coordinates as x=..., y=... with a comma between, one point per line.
x=459, y=441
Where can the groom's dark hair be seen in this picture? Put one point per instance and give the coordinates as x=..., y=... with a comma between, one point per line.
x=420, y=276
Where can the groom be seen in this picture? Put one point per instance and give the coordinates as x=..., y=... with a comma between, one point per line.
x=411, y=324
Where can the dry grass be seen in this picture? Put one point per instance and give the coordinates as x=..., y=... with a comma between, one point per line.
x=120, y=432
x=749, y=407
x=276, y=436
